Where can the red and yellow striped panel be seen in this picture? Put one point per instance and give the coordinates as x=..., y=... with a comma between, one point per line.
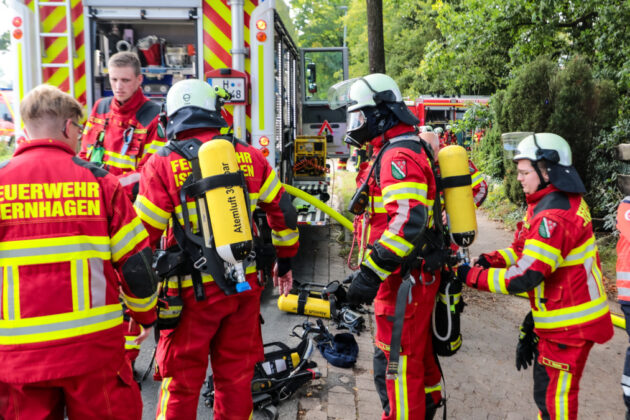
x=53, y=19
x=217, y=39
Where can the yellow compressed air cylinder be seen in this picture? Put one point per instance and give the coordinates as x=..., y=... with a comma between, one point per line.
x=226, y=207
x=458, y=196
x=313, y=306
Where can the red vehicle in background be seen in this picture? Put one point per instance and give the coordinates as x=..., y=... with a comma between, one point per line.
x=7, y=132
x=438, y=112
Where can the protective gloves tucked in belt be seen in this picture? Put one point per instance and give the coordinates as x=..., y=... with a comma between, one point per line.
x=364, y=286
x=527, y=343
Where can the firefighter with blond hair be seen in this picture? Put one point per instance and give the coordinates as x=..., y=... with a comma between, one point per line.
x=70, y=245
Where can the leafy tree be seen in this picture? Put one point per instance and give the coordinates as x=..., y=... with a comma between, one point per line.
x=5, y=41
x=319, y=23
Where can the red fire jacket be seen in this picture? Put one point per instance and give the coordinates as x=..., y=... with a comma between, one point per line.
x=479, y=185
x=554, y=259
x=162, y=178
x=399, y=210
x=623, y=251
x=138, y=116
x=69, y=239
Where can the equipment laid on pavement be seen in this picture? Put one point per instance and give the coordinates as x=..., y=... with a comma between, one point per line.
x=340, y=350
x=323, y=301
x=278, y=377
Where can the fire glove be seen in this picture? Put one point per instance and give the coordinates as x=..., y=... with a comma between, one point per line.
x=462, y=272
x=363, y=287
x=482, y=262
x=283, y=276
x=527, y=343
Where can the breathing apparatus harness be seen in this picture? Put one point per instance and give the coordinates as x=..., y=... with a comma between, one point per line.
x=192, y=257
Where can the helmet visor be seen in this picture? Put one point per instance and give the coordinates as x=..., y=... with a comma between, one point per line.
x=356, y=120
x=339, y=94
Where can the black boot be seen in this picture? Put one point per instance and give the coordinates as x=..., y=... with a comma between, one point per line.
x=430, y=407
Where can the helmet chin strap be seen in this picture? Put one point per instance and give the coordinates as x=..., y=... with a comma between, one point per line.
x=543, y=184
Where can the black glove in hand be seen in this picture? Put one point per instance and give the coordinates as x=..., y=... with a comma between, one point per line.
x=462, y=272
x=483, y=262
x=363, y=288
x=527, y=343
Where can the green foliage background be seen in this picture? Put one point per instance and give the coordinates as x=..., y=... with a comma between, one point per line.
x=551, y=65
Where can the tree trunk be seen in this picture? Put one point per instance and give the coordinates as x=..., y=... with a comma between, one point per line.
x=376, y=47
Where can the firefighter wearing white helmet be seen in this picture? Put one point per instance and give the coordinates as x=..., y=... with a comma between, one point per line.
x=401, y=187
x=218, y=314
x=554, y=260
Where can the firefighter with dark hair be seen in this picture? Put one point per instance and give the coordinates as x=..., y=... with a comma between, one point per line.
x=70, y=245
x=554, y=259
x=400, y=187
x=217, y=316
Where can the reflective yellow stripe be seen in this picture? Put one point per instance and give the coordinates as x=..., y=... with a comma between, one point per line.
x=539, y=292
x=405, y=191
x=543, y=252
x=60, y=326
x=51, y=250
x=130, y=343
x=120, y=161
x=270, y=188
x=253, y=201
x=79, y=278
x=205, y=278
x=376, y=203
x=476, y=178
x=382, y=273
x=10, y=292
x=400, y=383
x=396, y=244
x=165, y=395
x=496, y=280
x=140, y=304
x=562, y=395
x=573, y=315
x=430, y=389
x=150, y=213
x=580, y=254
x=127, y=238
x=508, y=255
x=192, y=214
x=154, y=147
x=285, y=237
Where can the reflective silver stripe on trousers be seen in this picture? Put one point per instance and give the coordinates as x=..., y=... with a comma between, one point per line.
x=98, y=282
x=125, y=240
x=563, y=396
x=625, y=385
x=59, y=326
x=55, y=249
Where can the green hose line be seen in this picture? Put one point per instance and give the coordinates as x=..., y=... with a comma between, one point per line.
x=320, y=205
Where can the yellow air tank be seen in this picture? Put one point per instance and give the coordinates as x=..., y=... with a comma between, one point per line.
x=458, y=197
x=313, y=306
x=227, y=209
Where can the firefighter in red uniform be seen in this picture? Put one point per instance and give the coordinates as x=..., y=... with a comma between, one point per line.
x=623, y=287
x=227, y=325
x=554, y=259
x=400, y=212
x=123, y=131
x=70, y=244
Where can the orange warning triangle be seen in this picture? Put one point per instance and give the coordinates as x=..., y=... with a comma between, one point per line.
x=325, y=126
